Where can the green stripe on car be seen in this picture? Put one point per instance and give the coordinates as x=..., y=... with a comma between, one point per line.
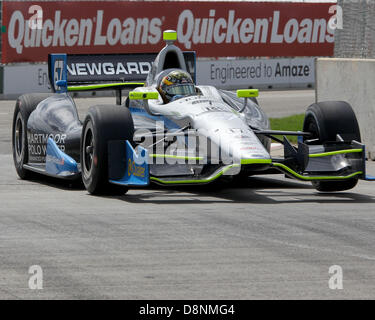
x=190, y=181
x=332, y=153
x=255, y=161
x=103, y=86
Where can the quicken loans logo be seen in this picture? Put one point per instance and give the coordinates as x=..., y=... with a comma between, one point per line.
x=192, y=30
x=84, y=32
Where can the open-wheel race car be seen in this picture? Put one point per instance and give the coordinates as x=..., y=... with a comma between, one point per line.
x=171, y=131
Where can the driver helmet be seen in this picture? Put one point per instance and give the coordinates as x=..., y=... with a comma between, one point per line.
x=175, y=85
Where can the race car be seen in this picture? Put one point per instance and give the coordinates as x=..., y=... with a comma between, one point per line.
x=171, y=131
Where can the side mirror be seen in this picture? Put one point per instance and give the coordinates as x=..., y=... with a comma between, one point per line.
x=145, y=96
x=246, y=93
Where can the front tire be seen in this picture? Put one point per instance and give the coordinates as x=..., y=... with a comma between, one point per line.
x=325, y=120
x=102, y=124
x=25, y=105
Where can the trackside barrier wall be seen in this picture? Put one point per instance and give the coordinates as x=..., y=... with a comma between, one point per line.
x=226, y=74
x=351, y=80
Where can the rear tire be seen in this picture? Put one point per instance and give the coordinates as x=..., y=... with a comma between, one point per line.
x=25, y=105
x=325, y=120
x=102, y=124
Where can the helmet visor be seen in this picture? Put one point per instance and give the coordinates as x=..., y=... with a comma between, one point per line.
x=180, y=89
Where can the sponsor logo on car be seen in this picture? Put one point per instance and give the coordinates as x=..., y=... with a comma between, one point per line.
x=108, y=68
x=135, y=170
x=37, y=144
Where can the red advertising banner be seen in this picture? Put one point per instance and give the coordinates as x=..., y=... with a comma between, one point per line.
x=212, y=29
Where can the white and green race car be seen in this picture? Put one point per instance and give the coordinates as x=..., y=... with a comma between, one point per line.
x=201, y=135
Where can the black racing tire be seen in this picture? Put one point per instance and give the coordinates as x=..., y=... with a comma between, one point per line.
x=334, y=186
x=102, y=124
x=25, y=105
x=325, y=120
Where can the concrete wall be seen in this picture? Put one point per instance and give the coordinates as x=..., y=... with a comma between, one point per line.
x=282, y=73
x=351, y=80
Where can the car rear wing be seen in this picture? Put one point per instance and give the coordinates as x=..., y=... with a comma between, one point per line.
x=85, y=72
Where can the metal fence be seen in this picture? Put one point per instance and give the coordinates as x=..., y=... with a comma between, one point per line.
x=357, y=38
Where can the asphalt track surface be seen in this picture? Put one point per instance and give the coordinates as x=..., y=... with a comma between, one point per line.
x=265, y=238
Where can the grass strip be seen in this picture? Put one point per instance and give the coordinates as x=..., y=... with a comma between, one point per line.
x=290, y=123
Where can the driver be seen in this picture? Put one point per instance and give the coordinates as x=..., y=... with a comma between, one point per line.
x=175, y=85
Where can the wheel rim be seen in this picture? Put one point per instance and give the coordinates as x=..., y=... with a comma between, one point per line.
x=313, y=128
x=88, y=150
x=19, y=137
